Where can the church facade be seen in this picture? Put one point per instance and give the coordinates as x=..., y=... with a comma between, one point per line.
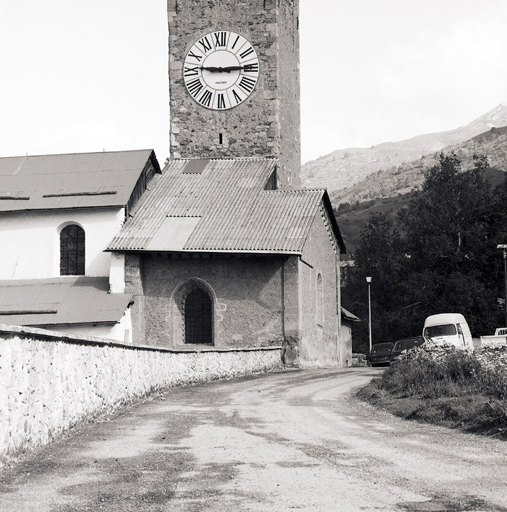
x=226, y=250
x=221, y=248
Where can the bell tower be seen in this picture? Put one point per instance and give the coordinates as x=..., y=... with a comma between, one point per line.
x=234, y=81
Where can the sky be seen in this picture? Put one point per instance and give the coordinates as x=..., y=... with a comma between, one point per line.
x=80, y=76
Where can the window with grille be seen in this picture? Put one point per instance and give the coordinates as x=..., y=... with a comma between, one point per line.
x=198, y=318
x=72, y=251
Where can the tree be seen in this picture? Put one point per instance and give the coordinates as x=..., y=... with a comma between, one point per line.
x=380, y=256
x=447, y=223
x=449, y=236
x=438, y=256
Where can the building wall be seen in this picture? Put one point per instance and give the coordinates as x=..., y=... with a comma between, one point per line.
x=120, y=332
x=321, y=344
x=30, y=241
x=49, y=382
x=346, y=344
x=267, y=123
x=247, y=297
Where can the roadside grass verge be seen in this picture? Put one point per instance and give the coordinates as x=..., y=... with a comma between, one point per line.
x=441, y=385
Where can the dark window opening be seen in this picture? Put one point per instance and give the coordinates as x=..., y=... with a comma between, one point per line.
x=220, y=139
x=198, y=318
x=271, y=183
x=72, y=251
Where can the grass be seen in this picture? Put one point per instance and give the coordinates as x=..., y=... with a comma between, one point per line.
x=445, y=386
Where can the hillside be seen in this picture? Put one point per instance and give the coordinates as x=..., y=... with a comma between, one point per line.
x=346, y=167
x=352, y=217
x=401, y=179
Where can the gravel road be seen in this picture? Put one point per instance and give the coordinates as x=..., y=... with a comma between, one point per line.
x=294, y=440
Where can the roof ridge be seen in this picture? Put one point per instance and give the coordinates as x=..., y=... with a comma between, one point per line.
x=320, y=190
x=79, y=153
x=225, y=159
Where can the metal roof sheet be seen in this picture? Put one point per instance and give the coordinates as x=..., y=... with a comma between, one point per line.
x=233, y=210
x=347, y=315
x=66, y=300
x=79, y=180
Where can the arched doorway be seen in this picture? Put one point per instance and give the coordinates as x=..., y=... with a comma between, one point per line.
x=198, y=312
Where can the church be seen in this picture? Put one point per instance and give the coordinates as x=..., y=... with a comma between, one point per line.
x=221, y=248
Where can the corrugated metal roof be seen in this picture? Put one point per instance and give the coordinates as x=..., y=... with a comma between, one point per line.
x=347, y=315
x=225, y=207
x=66, y=300
x=78, y=180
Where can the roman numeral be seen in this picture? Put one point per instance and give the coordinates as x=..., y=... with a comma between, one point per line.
x=246, y=53
x=220, y=101
x=251, y=68
x=195, y=87
x=237, y=97
x=220, y=39
x=206, y=45
x=205, y=99
x=247, y=84
x=191, y=71
x=196, y=57
x=235, y=43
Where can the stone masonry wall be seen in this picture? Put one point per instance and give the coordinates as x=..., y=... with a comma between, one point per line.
x=267, y=123
x=48, y=382
x=247, y=294
x=321, y=344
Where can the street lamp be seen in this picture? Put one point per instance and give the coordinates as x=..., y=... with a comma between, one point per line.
x=368, y=280
x=504, y=248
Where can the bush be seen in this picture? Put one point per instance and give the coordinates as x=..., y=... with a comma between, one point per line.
x=444, y=385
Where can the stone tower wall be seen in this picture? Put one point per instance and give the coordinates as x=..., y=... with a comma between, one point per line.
x=267, y=123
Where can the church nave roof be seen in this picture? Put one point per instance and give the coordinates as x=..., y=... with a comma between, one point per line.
x=212, y=205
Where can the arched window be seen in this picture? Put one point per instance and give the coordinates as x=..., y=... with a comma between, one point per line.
x=72, y=251
x=198, y=317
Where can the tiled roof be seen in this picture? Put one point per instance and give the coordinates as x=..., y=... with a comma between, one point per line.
x=61, y=301
x=220, y=206
x=78, y=180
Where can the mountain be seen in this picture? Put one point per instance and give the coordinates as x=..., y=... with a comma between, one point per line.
x=346, y=167
x=408, y=176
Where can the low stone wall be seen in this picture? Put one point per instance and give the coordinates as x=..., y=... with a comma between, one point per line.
x=50, y=382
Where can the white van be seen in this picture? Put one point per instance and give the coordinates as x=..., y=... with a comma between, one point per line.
x=448, y=328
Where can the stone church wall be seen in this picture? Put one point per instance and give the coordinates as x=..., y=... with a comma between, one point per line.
x=321, y=344
x=247, y=294
x=50, y=382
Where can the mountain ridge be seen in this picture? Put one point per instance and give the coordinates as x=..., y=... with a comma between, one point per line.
x=344, y=168
x=408, y=176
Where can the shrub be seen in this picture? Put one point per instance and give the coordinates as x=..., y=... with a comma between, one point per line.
x=444, y=385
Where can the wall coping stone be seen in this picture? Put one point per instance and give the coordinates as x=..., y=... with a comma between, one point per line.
x=42, y=334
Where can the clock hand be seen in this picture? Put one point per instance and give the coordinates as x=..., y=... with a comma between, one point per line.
x=227, y=69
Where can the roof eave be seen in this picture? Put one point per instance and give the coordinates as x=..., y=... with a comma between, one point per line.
x=209, y=251
x=334, y=223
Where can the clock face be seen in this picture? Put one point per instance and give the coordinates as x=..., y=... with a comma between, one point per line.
x=221, y=70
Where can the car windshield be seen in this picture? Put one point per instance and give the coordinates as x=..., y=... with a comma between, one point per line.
x=406, y=344
x=440, y=330
x=381, y=348
x=399, y=346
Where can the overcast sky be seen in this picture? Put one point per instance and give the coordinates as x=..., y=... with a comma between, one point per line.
x=86, y=76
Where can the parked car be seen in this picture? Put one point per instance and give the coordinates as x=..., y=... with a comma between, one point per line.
x=449, y=328
x=405, y=344
x=499, y=338
x=380, y=353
